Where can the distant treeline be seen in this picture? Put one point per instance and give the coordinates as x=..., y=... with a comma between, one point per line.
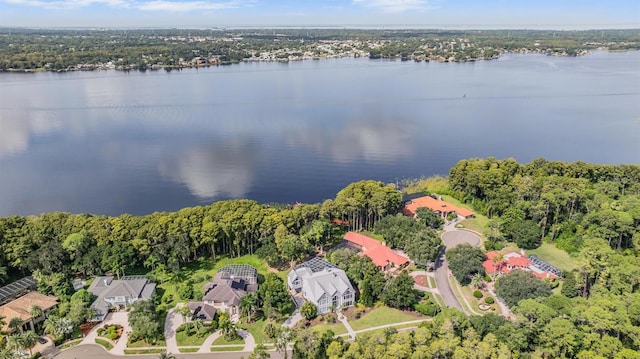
x=64, y=50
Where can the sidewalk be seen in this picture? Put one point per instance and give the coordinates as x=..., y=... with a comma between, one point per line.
x=346, y=324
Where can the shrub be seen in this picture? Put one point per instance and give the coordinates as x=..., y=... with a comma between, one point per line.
x=112, y=335
x=269, y=330
x=100, y=331
x=477, y=294
x=180, y=329
x=36, y=355
x=430, y=309
x=489, y=300
x=487, y=278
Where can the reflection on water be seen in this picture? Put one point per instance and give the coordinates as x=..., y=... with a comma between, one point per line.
x=111, y=142
x=224, y=170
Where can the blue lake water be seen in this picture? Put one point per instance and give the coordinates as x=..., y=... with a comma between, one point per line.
x=114, y=142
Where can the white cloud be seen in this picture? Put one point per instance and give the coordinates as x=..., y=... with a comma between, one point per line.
x=68, y=4
x=186, y=6
x=154, y=5
x=395, y=6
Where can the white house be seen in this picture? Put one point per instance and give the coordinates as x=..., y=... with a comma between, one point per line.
x=119, y=294
x=323, y=284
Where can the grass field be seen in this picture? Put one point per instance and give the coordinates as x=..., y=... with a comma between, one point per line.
x=257, y=330
x=188, y=350
x=203, y=270
x=70, y=344
x=226, y=349
x=105, y=343
x=337, y=328
x=457, y=291
x=143, y=344
x=381, y=316
x=221, y=340
x=185, y=340
x=144, y=351
x=554, y=256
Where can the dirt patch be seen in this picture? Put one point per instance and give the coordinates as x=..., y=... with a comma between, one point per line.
x=421, y=280
x=85, y=328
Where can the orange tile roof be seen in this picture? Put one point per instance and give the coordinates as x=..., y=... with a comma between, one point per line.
x=518, y=262
x=435, y=205
x=379, y=254
x=19, y=308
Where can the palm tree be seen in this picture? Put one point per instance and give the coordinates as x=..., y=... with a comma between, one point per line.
x=36, y=313
x=477, y=281
x=15, y=342
x=248, y=306
x=165, y=355
x=2, y=323
x=185, y=312
x=50, y=325
x=497, y=260
x=29, y=339
x=15, y=323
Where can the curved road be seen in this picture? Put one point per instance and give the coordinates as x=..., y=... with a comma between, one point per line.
x=451, y=238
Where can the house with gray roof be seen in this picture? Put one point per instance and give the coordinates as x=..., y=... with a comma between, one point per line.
x=228, y=287
x=119, y=294
x=323, y=284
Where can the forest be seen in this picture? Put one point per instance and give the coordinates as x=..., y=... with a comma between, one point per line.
x=591, y=211
x=137, y=49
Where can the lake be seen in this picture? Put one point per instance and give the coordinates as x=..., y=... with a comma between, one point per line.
x=139, y=142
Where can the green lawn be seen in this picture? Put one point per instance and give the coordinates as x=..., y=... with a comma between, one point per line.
x=143, y=344
x=221, y=340
x=381, y=316
x=478, y=223
x=337, y=328
x=257, y=330
x=188, y=350
x=206, y=268
x=554, y=256
x=70, y=344
x=105, y=343
x=226, y=349
x=185, y=340
x=143, y=351
x=432, y=282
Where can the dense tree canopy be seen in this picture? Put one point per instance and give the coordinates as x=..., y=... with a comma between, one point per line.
x=518, y=285
x=465, y=261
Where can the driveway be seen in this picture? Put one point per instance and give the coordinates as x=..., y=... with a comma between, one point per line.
x=454, y=238
x=121, y=318
x=172, y=322
x=451, y=238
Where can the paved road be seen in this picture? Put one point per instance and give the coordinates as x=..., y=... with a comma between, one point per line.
x=451, y=238
x=94, y=351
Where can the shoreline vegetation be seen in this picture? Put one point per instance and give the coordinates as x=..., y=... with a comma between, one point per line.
x=33, y=50
x=586, y=213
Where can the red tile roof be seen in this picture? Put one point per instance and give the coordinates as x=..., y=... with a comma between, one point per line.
x=379, y=254
x=435, y=205
x=518, y=262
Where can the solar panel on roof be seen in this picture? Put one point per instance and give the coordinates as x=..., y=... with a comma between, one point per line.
x=15, y=289
x=316, y=264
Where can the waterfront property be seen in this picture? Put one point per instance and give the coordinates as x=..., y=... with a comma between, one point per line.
x=21, y=308
x=119, y=294
x=323, y=284
x=229, y=286
x=417, y=200
x=382, y=256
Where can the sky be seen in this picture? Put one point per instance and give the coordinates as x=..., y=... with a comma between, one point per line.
x=480, y=14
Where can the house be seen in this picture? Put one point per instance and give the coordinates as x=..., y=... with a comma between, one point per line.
x=494, y=265
x=414, y=201
x=202, y=311
x=119, y=294
x=323, y=284
x=228, y=287
x=21, y=308
x=382, y=256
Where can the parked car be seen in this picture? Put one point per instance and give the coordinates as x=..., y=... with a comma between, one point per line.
x=42, y=340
